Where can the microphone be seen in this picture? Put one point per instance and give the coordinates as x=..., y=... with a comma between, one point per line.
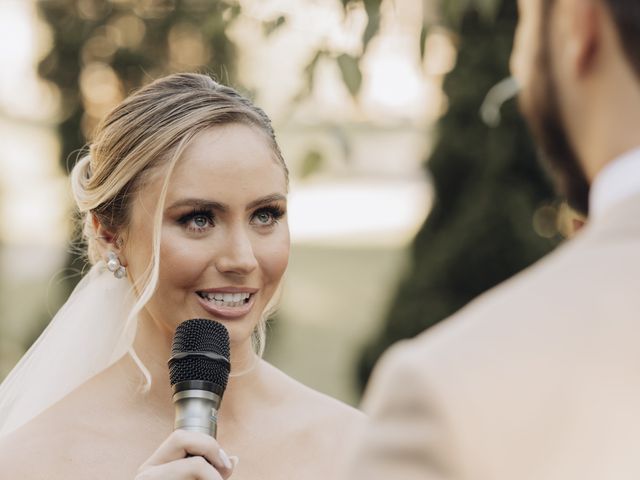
x=199, y=370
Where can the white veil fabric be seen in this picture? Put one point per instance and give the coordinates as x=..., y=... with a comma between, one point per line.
x=90, y=332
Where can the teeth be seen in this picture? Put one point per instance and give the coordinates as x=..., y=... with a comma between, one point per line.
x=226, y=299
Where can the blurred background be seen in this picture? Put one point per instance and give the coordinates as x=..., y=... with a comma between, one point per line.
x=405, y=202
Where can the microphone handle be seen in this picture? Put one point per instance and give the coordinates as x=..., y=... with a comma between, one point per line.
x=197, y=411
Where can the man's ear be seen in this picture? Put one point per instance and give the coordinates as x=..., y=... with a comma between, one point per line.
x=586, y=34
x=107, y=240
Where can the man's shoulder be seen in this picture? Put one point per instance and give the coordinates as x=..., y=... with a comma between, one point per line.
x=481, y=359
x=511, y=321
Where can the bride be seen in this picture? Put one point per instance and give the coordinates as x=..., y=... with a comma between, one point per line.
x=183, y=196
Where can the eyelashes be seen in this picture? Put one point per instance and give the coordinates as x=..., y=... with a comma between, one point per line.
x=200, y=219
x=197, y=220
x=271, y=214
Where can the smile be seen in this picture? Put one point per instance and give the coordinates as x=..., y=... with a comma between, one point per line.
x=226, y=299
x=229, y=304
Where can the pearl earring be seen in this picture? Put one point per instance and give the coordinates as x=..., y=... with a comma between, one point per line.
x=114, y=265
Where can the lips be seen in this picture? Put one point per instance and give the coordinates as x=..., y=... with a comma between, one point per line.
x=228, y=302
x=226, y=299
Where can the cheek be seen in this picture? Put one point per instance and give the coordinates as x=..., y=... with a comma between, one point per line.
x=137, y=254
x=273, y=256
x=181, y=262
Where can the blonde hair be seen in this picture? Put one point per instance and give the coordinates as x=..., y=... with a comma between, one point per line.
x=150, y=130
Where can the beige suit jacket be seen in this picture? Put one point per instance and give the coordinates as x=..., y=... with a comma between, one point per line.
x=538, y=379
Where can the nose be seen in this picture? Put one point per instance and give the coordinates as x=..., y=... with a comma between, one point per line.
x=236, y=255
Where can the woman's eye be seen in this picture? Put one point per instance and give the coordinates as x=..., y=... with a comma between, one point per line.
x=201, y=221
x=268, y=216
x=197, y=222
x=264, y=218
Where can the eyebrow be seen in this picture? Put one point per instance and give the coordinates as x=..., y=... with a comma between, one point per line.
x=208, y=204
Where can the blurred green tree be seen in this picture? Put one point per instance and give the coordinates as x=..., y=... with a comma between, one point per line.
x=104, y=49
x=489, y=189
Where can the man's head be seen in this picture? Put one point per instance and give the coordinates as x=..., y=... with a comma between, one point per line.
x=578, y=63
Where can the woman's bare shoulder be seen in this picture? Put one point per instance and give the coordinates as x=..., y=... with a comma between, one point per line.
x=63, y=440
x=37, y=449
x=319, y=424
x=330, y=411
x=315, y=406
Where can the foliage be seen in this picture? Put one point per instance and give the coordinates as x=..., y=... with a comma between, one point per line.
x=450, y=14
x=128, y=44
x=454, y=11
x=488, y=186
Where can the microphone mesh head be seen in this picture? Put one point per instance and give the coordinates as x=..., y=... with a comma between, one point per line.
x=200, y=335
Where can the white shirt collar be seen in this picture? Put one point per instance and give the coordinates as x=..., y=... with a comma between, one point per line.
x=617, y=181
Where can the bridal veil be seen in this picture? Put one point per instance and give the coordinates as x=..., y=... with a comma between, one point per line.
x=89, y=333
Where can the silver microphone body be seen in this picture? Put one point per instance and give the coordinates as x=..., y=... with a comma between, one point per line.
x=197, y=411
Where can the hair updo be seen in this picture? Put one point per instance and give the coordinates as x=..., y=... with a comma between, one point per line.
x=142, y=133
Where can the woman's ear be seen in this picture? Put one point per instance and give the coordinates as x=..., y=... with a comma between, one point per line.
x=107, y=240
